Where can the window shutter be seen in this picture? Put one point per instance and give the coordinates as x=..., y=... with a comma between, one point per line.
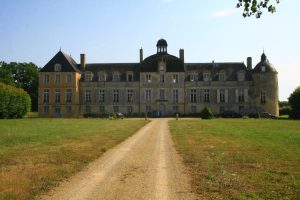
x=218, y=95
x=236, y=95
x=226, y=95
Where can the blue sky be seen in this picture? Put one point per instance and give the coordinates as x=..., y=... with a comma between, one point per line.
x=115, y=30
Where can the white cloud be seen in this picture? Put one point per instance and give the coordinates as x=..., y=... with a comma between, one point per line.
x=225, y=12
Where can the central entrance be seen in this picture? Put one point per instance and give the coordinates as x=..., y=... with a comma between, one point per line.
x=162, y=110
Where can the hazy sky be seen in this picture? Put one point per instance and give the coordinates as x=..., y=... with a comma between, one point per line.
x=115, y=30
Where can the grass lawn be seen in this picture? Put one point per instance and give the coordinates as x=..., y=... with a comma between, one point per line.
x=35, y=154
x=241, y=158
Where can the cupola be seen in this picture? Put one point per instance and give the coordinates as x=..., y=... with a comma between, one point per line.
x=162, y=46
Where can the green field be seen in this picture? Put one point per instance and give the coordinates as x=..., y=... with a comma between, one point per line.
x=241, y=158
x=37, y=153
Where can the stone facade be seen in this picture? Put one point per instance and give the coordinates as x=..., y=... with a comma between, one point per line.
x=161, y=84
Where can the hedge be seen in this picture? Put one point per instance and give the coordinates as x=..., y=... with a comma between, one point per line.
x=14, y=102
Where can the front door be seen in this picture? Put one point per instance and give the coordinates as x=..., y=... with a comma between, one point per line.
x=162, y=110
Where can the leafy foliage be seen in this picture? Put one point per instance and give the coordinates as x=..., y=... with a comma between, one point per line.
x=23, y=75
x=294, y=101
x=255, y=7
x=207, y=113
x=14, y=102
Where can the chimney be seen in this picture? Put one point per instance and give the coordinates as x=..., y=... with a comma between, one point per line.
x=141, y=55
x=181, y=55
x=249, y=63
x=82, y=61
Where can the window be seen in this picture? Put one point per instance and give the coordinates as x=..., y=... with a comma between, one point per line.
x=129, y=77
x=222, y=96
x=69, y=78
x=115, y=96
x=193, y=98
x=161, y=94
x=46, y=78
x=222, y=109
x=175, y=109
x=148, y=95
x=116, y=109
x=102, y=76
x=57, y=95
x=193, y=77
x=57, y=110
x=206, y=76
x=57, y=67
x=241, y=76
x=88, y=76
x=161, y=67
x=88, y=95
x=46, y=109
x=206, y=96
x=221, y=76
x=116, y=76
x=101, y=109
x=101, y=96
x=148, y=78
x=129, y=109
x=175, y=78
x=193, y=109
x=46, y=95
x=241, y=109
x=68, y=109
x=263, y=68
x=88, y=109
x=68, y=95
x=175, y=95
x=130, y=96
x=162, y=78
x=241, y=96
x=148, y=108
x=57, y=78
x=263, y=97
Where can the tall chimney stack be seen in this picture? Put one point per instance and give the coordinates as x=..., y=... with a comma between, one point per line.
x=141, y=55
x=181, y=55
x=82, y=61
x=249, y=63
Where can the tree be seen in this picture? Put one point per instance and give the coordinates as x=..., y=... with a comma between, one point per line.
x=207, y=113
x=294, y=101
x=256, y=7
x=22, y=75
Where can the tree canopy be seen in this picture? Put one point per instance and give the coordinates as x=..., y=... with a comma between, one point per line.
x=21, y=75
x=294, y=101
x=256, y=7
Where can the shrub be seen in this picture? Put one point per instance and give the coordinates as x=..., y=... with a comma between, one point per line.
x=14, y=102
x=294, y=101
x=207, y=113
x=286, y=110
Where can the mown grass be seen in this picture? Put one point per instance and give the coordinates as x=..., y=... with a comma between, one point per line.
x=241, y=158
x=35, y=154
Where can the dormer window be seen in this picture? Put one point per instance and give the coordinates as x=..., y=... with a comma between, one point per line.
x=129, y=76
x=221, y=76
x=88, y=76
x=193, y=77
x=206, y=76
x=101, y=76
x=116, y=76
x=57, y=67
x=263, y=68
x=175, y=78
x=241, y=76
x=148, y=78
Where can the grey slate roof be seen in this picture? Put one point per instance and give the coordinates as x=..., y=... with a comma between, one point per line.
x=174, y=64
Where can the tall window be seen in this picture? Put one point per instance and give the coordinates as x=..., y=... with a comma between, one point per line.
x=101, y=109
x=57, y=78
x=46, y=95
x=148, y=95
x=161, y=94
x=162, y=78
x=175, y=109
x=69, y=78
x=263, y=97
x=193, y=109
x=206, y=96
x=241, y=96
x=148, y=78
x=129, y=109
x=222, y=95
x=148, y=108
x=88, y=94
x=115, y=96
x=57, y=95
x=116, y=109
x=206, y=76
x=68, y=109
x=193, y=96
x=101, y=96
x=175, y=78
x=88, y=109
x=46, y=109
x=129, y=95
x=46, y=78
x=68, y=95
x=175, y=95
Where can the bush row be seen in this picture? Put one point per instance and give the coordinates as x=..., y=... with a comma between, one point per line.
x=14, y=102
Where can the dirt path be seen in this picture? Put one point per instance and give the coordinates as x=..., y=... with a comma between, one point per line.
x=145, y=166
